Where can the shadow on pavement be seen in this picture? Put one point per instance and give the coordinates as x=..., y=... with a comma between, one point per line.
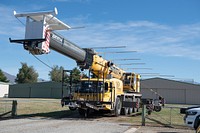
x=64, y=114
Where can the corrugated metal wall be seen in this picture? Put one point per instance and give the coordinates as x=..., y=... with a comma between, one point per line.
x=171, y=95
x=36, y=90
x=193, y=96
x=174, y=92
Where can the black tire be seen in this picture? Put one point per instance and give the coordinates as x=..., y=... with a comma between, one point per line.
x=83, y=112
x=197, y=122
x=124, y=111
x=198, y=129
x=157, y=108
x=149, y=112
x=72, y=108
x=117, y=107
x=134, y=110
x=130, y=110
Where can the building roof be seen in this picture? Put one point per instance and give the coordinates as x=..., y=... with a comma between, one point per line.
x=3, y=83
x=167, y=84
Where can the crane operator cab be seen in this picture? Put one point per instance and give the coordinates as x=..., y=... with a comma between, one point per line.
x=39, y=26
x=129, y=81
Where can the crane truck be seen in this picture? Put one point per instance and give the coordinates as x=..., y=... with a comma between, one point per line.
x=112, y=90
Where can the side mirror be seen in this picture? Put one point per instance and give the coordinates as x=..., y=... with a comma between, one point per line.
x=111, y=85
x=106, y=86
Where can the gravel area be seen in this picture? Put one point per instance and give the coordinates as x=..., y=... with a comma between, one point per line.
x=147, y=129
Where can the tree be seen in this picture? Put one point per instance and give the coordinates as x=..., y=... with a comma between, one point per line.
x=27, y=74
x=3, y=78
x=76, y=75
x=56, y=74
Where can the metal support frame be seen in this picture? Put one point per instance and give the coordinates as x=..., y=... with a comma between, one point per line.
x=63, y=78
x=27, y=41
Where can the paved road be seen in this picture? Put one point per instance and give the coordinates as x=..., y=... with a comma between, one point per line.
x=43, y=125
x=78, y=125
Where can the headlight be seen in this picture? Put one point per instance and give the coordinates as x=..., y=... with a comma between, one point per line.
x=191, y=113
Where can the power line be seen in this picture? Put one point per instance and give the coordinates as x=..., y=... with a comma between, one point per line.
x=124, y=59
x=117, y=52
x=108, y=47
x=78, y=27
x=140, y=68
x=149, y=74
x=132, y=64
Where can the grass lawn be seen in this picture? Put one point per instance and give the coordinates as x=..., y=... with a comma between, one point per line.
x=34, y=106
x=52, y=108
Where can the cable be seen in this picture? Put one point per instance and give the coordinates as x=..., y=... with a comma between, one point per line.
x=20, y=21
x=43, y=62
x=48, y=61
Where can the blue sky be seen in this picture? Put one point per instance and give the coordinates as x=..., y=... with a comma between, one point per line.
x=165, y=34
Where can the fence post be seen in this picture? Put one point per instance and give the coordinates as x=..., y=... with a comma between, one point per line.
x=14, y=108
x=170, y=116
x=143, y=114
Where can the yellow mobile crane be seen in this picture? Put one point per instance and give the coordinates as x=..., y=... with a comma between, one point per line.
x=112, y=90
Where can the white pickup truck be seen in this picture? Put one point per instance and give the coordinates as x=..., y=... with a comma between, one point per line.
x=192, y=117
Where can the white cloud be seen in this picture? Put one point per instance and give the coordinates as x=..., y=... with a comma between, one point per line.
x=9, y=26
x=144, y=36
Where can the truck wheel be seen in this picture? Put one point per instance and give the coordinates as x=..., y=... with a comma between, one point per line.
x=134, y=110
x=197, y=123
x=124, y=111
x=149, y=112
x=130, y=110
x=198, y=129
x=118, y=107
x=157, y=108
x=72, y=108
x=83, y=112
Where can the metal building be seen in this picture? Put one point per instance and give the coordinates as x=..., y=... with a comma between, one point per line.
x=4, y=89
x=36, y=90
x=175, y=92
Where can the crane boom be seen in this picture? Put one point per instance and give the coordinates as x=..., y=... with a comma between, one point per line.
x=40, y=38
x=67, y=48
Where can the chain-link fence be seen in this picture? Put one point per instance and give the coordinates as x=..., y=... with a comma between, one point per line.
x=6, y=108
x=168, y=116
